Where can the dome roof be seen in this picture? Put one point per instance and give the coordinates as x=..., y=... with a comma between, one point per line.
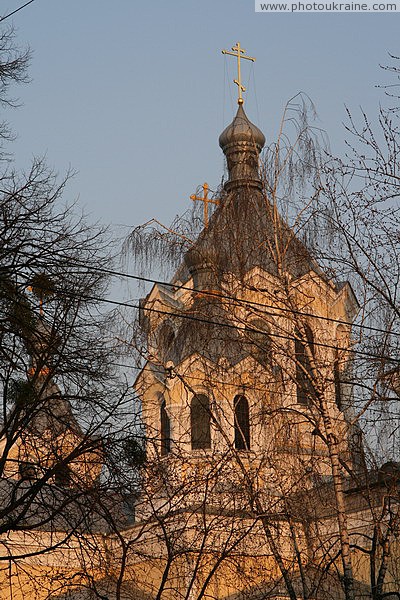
x=241, y=130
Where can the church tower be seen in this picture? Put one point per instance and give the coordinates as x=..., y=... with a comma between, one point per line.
x=247, y=349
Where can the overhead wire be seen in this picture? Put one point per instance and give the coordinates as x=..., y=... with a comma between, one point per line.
x=202, y=320
x=229, y=87
x=15, y=11
x=218, y=323
x=212, y=322
x=239, y=301
x=255, y=92
x=207, y=321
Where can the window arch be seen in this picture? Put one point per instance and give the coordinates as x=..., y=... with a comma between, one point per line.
x=338, y=364
x=258, y=333
x=305, y=389
x=166, y=334
x=242, y=423
x=27, y=470
x=165, y=340
x=165, y=430
x=200, y=422
x=63, y=475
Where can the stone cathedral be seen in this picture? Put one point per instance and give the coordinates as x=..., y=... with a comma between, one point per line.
x=254, y=479
x=243, y=388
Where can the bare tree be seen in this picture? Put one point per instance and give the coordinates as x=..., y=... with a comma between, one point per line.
x=13, y=69
x=64, y=403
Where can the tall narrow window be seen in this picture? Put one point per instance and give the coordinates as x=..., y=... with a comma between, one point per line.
x=62, y=476
x=303, y=366
x=165, y=340
x=258, y=335
x=27, y=471
x=200, y=422
x=242, y=423
x=338, y=385
x=339, y=363
x=165, y=430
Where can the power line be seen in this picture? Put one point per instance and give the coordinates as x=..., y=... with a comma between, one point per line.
x=218, y=294
x=202, y=320
x=216, y=323
x=234, y=298
x=16, y=10
x=161, y=370
x=208, y=321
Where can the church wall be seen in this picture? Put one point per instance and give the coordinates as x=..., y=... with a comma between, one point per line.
x=223, y=382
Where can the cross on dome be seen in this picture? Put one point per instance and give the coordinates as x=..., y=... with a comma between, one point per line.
x=239, y=52
x=206, y=201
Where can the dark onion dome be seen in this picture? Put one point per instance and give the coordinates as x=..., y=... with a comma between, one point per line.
x=241, y=130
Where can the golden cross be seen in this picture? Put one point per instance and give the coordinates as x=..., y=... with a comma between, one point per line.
x=239, y=53
x=206, y=201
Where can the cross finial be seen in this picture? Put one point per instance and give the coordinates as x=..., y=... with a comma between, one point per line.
x=206, y=200
x=239, y=53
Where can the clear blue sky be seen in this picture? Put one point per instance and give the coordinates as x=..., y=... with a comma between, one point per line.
x=133, y=95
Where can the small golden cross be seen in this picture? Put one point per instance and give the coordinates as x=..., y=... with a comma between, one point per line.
x=206, y=200
x=239, y=53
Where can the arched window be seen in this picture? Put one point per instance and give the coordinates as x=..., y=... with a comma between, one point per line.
x=165, y=340
x=242, y=423
x=62, y=476
x=305, y=390
x=339, y=361
x=200, y=422
x=338, y=384
x=165, y=430
x=258, y=335
x=166, y=335
x=27, y=471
